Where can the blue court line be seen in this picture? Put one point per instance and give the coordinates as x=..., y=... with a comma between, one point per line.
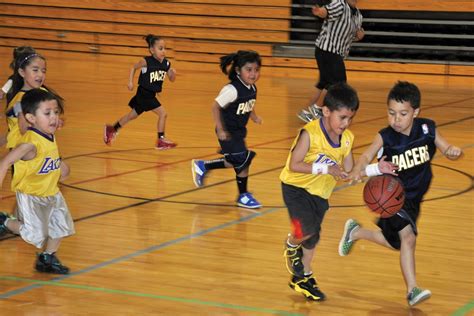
x=141, y=252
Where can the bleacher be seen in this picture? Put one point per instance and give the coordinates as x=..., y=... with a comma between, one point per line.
x=202, y=30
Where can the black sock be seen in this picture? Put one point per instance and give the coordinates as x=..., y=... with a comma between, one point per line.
x=117, y=126
x=214, y=164
x=161, y=135
x=242, y=184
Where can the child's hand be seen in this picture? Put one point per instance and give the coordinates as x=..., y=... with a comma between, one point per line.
x=130, y=86
x=387, y=167
x=354, y=176
x=257, y=120
x=222, y=134
x=453, y=152
x=360, y=34
x=337, y=172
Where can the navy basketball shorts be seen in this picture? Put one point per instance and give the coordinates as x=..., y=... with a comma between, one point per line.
x=390, y=226
x=331, y=68
x=236, y=144
x=144, y=101
x=306, y=211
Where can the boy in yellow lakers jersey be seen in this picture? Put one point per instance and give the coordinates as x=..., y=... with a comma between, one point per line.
x=43, y=216
x=320, y=154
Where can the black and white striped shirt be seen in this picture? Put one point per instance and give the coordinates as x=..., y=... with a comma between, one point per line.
x=339, y=28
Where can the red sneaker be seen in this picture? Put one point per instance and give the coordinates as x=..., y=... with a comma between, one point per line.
x=109, y=134
x=163, y=144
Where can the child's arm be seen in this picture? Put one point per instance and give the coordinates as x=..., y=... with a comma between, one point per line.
x=255, y=118
x=450, y=151
x=65, y=171
x=22, y=123
x=140, y=64
x=24, y=151
x=382, y=166
x=297, y=163
x=222, y=134
x=171, y=74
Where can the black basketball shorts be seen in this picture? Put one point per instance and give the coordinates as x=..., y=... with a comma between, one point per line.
x=390, y=226
x=306, y=211
x=331, y=68
x=144, y=101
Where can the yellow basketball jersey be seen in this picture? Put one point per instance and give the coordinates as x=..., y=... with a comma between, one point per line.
x=40, y=175
x=321, y=150
x=14, y=135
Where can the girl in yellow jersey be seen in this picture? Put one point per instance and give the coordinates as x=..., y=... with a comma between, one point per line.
x=43, y=216
x=320, y=154
x=29, y=73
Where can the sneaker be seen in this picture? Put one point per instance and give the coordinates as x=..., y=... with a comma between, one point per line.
x=163, y=144
x=305, y=116
x=308, y=287
x=199, y=171
x=49, y=263
x=248, y=201
x=418, y=295
x=109, y=134
x=346, y=243
x=3, y=228
x=294, y=262
x=316, y=111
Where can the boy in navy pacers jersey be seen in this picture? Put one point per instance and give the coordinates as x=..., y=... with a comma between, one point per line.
x=411, y=143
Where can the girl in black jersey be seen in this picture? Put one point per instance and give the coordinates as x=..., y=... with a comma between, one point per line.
x=410, y=143
x=231, y=110
x=154, y=69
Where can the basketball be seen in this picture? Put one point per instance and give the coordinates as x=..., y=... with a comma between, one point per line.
x=384, y=195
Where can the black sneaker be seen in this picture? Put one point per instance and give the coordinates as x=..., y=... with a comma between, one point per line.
x=3, y=228
x=308, y=287
x=49, y=263
x=294, y=262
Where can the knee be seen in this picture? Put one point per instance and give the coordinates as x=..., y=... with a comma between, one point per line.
x=409, y=240
x=311, y=242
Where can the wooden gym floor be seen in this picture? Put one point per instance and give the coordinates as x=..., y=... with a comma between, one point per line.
x=149, y=243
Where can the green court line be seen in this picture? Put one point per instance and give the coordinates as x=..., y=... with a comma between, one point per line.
x=464, y=309
x=153, y=296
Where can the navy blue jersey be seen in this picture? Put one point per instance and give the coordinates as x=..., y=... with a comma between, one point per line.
x=235, y=115
x=412, y=154
x=152, y=77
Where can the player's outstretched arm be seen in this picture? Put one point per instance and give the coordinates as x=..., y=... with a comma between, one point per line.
x=450, y=151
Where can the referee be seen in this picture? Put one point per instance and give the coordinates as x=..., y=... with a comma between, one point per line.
x=342, y=25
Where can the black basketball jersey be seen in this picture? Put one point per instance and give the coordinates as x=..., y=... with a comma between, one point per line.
x=235, y=115
x=412, y=154
x=152, y=77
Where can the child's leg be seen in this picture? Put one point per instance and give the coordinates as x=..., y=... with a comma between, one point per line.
x=130, y=116
x=52, y=245
x=162, y=115
x=375, y=236
x=13, y=225
x=407, y=256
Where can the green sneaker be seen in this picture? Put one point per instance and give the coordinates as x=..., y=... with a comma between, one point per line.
x=346, y=243
x=418, y=295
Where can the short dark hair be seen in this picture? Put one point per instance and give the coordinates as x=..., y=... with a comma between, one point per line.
x=341, y=95
x=404, y=91
x=32, y=99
